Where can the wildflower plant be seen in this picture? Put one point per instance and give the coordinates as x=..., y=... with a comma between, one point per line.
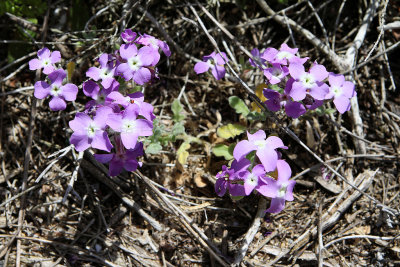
x=289, y=85
x=114, y=120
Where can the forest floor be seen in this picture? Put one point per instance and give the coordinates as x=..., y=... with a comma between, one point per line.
x=60, y=208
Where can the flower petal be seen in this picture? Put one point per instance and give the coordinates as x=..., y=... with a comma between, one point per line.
x=57, y=103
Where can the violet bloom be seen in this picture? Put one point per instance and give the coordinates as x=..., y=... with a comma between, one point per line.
x=98, y=94
x=275, y=101
x=155, y=43
x=105, y=73
x=283, y=56
x=254, y=180
x=129, y=126
x=341, y=91
x=266, y=149
x=136, y=62
x=279, y=190
x=122, y=159
x=90, y=132
x=276, y=73
x=59, y=92
x=231, y=178
x=145, y=109
x=128, y=36
x=259, y=62
x=214, y=61
x=45, y=60
x=308, y=82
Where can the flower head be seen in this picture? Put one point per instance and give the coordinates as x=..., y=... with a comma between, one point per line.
x=45, y=60
x=265, y=148
x=214, y=61
x=105, y=73
x=310, y=82
x=279, y=190
x=341, y=91
x=230, y=178
x=136, y=63
x=122, y=159
x=129, y=126
x=59, y=92
x=128, y=36
x=90, y=132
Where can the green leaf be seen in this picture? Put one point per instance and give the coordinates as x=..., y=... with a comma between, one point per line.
x=256, y=116
x=153, y=148
x=230, y=130
x=225, y=151
x=178, y=129
x=182, y=153
x=177, y=111
x=239, y=105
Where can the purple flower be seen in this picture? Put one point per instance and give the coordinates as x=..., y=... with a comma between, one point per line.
x=214, y=61
x=122, y=159
x=155, y=43
x=230, y=178
x=136, y=62
x=259, y=61
x=341, y=91
x=276, y=73
x=145, y=109
x=128, y=36
x=105, y=73
x=59, y=92
x=283, y=56
x=266, y=148
x=91, y=132
x=279, y=190
x=45, y=60
x=129, y=126
x=98, y=94
x=308, y=82
x=254, y=180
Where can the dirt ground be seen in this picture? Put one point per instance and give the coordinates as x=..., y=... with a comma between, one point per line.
x=59, y=208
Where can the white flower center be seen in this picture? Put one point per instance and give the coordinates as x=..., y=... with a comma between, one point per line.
x=337, y=91
x=55, y=91
x=92, y=129
x=260, y=143
x=282, y=190
x=284, y=54
x=134, y=63
x=308, y=80
x=104, y=73
x=46, y=62
x=128, y=126
x=252, y=179
x=210, y=63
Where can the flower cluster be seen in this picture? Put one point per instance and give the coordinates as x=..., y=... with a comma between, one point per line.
x=293, y=88
x=56, y=86
x=241, y=179
x=113, y=120
x=215, y=62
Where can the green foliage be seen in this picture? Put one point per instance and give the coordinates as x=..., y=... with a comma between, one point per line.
x=177, y=111
x=321, y=111
x=239, y=105
x=221, y=150
x=23, y=8
x=162, y=136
